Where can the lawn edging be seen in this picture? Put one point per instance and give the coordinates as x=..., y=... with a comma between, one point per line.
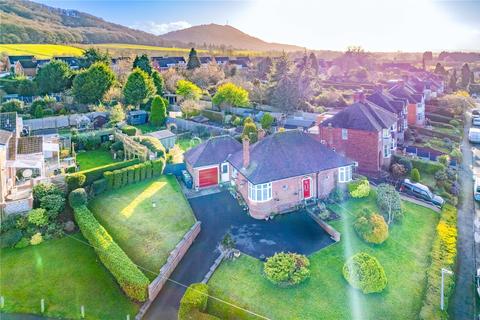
x=334, y=234
x=443, y=255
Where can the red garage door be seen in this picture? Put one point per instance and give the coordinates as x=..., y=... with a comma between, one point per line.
x=208, y=177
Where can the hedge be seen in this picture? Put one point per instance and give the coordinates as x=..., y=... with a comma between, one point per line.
x=136, y=173
x=214, y=116
x=78, y=197
x=129, y=130
x=424, y=166
x=99, y=186
x=133, y=282
x=97, y=173
x=194, y=303
x=153, y=144
x=443, y=255
x=75, y=180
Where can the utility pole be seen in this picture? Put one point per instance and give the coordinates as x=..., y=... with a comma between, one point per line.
x=441, y=291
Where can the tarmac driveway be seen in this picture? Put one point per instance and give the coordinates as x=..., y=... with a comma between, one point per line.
x=220, y=213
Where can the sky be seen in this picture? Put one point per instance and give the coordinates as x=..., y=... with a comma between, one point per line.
x=376, y=25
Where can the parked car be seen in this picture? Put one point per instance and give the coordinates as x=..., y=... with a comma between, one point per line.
x=187, y=179
x=474, y=135
x=476, y=120
x=421, y=191
x=476, y=188
x=476, y=112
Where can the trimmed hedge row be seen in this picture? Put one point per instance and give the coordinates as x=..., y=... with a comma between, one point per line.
x=424, y=166
x=443, y=255
x=194, y=303
x=132, y=174
x=213, y=115
x=97, y=173
x=133, y=282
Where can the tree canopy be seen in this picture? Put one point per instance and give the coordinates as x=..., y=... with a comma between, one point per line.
x=54, y=77
x=158, y=82
x=229, y=94
x=93, y=55
x=143, y=62
x=193, y=61
x=117, y=114
x=188, y=90
x=90, y=85
x=389, y=202
x=267, y=121
x=139, y=87
x=158, y=111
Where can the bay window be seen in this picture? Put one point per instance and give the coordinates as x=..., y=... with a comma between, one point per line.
x=344, y=174
x=260, y=192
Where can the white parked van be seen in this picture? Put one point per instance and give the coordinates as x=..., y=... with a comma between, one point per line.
x=474, y=135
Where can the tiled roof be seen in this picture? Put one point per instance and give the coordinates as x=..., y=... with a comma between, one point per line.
x=13, y=59
x=213, y=151
x=287, y=154
x=385, y=101
x=362, y=116
x=401, y=90
x=28, y=64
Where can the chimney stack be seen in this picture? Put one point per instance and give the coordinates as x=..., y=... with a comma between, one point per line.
x=359, y=96
x=246, y=152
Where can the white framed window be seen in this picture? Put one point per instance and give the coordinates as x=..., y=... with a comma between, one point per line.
x=386, y=133
x=387, y=151
x=345, y=174
x=260, y=192
x=224, y=167
x=344, y=134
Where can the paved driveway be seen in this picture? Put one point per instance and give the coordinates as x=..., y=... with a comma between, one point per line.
x=220, y=213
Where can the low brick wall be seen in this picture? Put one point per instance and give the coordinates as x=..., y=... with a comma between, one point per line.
x=167, y=269
x=328, y=228
x=214, y=267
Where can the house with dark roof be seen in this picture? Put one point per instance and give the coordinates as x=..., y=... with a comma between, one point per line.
x=207, y=162
x=222, y=60
x=165, y=63
x=363, y=132
x=13, y=59
x=415, y=102
x=204, y=60
x=273, y=175
x=73, y=62
x=27, y=68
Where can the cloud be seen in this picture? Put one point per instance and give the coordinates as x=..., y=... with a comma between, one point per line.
x=161, y=28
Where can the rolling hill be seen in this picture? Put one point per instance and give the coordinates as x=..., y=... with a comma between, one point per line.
x=228, y=36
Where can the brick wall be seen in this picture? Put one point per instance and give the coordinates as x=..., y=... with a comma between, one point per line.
x=362, y=146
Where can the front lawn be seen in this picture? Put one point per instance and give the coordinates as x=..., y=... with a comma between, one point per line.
x=326, y=295
x=145, y=233
x=92, y=159
x=67, y=274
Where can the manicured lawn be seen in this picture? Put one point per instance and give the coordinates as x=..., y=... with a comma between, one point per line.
x=92, y=159
x=326, y=295
x=147, y=234
x=146, y=128
x=67, y=274
x=181, y=146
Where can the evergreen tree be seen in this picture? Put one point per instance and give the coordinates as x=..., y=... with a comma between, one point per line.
x=439, y=69
x=284, y=94
x=158, y=111
x=281, y=68
x=54, y=77
x=90, y=85
x=313, y=62
x=193, y=61
x=264, y=68
x=92, y=55
x=466, y=75
x=143, y=62
x=250, y=131
x=139, y=87
x=453, y=80
x=158, y=82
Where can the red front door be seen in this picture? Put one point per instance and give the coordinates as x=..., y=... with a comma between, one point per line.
x=306, y=189
x=208, y=177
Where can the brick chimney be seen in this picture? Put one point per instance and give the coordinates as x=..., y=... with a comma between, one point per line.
x=359, y=96
x=246, y=152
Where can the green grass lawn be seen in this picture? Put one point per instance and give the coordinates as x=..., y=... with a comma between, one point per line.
x=147, y=128
x=92, y=159
x=326, y=295
x=181, y=146
x=67, y=274
x=146, y=234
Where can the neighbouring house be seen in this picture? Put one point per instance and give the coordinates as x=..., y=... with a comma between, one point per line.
x=73, y=62
x=222, y=60
x=25, y=161
x=42, y=62
x=394, y=105
x=363, y=132
x=165, y=63
x=13, y=59
x=166, y=137
x=284, y=170
x=207, y=162
x=137, y=117
x=205, y=60
x=27, y=68
x=416, y=102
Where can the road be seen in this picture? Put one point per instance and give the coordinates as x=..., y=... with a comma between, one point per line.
x=462, y=303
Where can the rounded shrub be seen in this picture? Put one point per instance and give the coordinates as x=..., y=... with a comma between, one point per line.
x=36, y=239
x=10, y=238
x=372, y=228
x=53, y=203
x=38, y=217
x=287, y=269
x=359, y=188
x=75, y=180
x=415, y=175
x=363, y=271
x=43, y=189
x=129, y=130
x=77, y=197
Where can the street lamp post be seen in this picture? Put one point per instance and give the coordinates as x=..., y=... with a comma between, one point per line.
x=441, y=291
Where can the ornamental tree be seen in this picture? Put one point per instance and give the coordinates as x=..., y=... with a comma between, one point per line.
x=250, y=131
x=117, y=114
x=89, y=86
x=287, y=269
x=371, y=227
x=93, y=55
x=188, y=90
x=363, y=271
x=415, y=175
x=389, y=202
x=158, y=82
x=158, y=112
x=231, y=95
x=193, y=61
x=53, y=77
x=267, y=121
x=139, y=87
x=143, y=62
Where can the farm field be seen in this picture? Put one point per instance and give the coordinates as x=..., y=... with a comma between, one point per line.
x=40, y=51
x=405, y=257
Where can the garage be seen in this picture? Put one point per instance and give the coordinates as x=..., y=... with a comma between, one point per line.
x=208, y=177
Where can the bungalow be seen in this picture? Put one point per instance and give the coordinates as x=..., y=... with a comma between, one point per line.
x=26, y=68
x=416, y=102
x=13, y=59
x=274, y=175
x=165, y=63
x=362, y=132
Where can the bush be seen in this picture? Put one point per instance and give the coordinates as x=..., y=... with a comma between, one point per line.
x=117, y=179
x=10, y=238
x=53, y=203
x=36, y=239
x=78, y=197
x=426, y=166
x=97, y=173
x=99, y=186
x=24, y=242
x=287, y=269
x=108, y=175
x=389, y=202
x=336, y=196
x=194, y=300
x=75, y=181
x=131, y=174
x=153, y=144
x=371, y=227
x=398, y=170
x=415, y=175
x=359, y=188
x=443, y=255
x=129, y=277
x=44, y=189
x=363, y=271
x=148, y=168
x=129, y=130
x=406, y=163
x=137, y=174
x=37, y=217
x=157, y=167
x=444, y=159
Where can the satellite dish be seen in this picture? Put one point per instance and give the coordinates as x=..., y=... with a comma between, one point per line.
x=27, y=173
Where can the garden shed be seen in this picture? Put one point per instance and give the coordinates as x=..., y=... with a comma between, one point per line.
x=166, y=137
x=137, y=117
